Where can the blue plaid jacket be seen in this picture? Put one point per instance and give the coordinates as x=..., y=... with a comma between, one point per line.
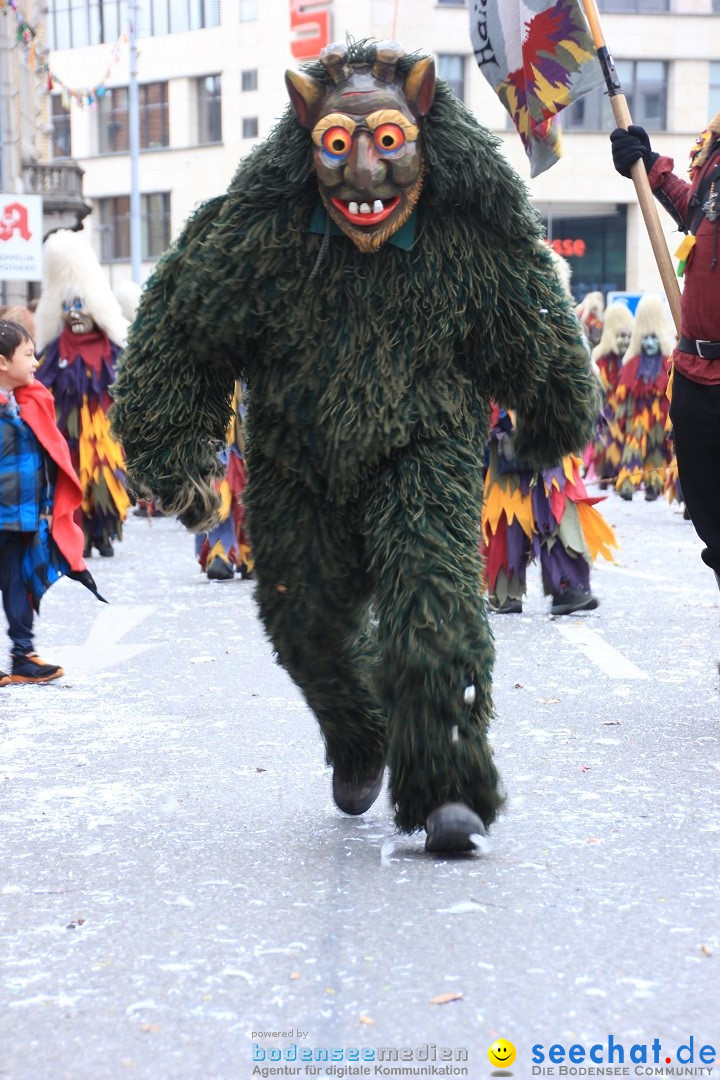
x=26, y=474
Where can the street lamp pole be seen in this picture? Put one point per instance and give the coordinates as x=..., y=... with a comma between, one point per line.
x=134, y=138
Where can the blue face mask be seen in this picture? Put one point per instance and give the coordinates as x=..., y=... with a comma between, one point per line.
x=650, y=345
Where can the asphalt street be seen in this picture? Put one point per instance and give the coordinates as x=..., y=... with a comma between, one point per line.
x=179, y=894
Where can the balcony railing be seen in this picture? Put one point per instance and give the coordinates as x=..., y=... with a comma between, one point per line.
x=62, y=179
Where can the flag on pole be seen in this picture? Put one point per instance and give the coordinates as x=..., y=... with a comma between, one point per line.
x=539, y=58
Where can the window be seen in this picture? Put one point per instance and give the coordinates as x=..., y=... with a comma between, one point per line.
x=61, y=128
x=114, y=134
x=634, y=6
x=248, y=10
x=248, y=80
x=644, y=83
x=112, y=115
x=209, y=110
x=155, y=224
x=74, y=23
x=714, y=106
x=249, y=127
x=154, y=123
x=602, y=264
x=451, y=68
x=114, y=228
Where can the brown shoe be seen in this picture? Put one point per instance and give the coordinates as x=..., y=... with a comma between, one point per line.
x=4, y=678
x=31, y=669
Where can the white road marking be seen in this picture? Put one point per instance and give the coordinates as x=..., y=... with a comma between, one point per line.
x=612, y=662
x=102, y=648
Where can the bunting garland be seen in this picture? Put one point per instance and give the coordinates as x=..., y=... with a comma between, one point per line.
x=87, y=95
x=27, y=37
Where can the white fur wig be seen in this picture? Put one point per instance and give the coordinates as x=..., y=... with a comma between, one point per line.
x=128, y=296
x=70, y=269
x=593, y=303
x=618, y=320
x=650, y=318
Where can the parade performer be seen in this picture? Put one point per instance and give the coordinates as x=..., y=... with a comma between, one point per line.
x=591, y=313
x=607, y=357
x=388, y=276
x=695, y=409
x=640, y=422
x=39, y=491
x=546, y=515
x=80, y=332
x=226, y=547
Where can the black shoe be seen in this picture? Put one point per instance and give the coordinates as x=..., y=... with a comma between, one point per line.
x=453, y=827
x=686, y=514
x=356, y=798
x=87, y=548
x=31, y=669
x=104, y=547
x=219, y=569
x=4, y=678
x=651, y=494
x=140, y=511
x=626, y=494
x=508, y=607
x=570, y=599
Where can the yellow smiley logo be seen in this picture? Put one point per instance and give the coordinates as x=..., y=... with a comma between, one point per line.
x=501, y=1053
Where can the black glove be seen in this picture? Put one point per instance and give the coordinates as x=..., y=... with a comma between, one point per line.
x=629, y=146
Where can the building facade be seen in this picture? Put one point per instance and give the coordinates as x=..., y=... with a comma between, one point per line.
x=211, y=87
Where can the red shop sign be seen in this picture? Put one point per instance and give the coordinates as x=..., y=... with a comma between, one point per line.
x=578, y=248
x=310, y=27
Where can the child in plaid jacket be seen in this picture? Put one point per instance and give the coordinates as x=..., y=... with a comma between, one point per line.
x=37, y=483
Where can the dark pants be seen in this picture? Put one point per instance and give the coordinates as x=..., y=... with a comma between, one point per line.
x=16, y=602
x=695, y=415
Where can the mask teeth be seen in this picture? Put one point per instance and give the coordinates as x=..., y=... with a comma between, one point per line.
x=334, y=59
x=387, y=55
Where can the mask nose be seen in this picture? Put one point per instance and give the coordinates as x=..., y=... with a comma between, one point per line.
x=365, y=170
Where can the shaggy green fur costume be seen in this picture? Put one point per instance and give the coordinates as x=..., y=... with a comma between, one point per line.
x=368, y=389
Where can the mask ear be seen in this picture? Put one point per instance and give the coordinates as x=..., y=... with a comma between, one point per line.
x=305, y=96
x=420, y=86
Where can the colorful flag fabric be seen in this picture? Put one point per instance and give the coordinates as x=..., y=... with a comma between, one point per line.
x=538, y=57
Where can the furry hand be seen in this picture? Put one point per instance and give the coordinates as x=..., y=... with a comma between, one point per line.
x=196, y=504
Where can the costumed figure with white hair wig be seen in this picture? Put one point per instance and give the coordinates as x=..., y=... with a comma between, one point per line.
x=546, y=514
x=591, y=313
x=642, y=406
x=80, y=333
x=607, y=357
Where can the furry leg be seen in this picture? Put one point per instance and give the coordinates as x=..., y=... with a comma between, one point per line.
x=313, y=597
x=422, y=527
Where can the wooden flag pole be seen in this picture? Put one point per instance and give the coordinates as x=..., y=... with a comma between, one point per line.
x=638, y=172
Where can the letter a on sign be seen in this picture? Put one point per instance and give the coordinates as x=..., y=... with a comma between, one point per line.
x=310, y=24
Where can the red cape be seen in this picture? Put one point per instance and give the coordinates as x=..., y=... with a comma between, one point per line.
x=37, y=409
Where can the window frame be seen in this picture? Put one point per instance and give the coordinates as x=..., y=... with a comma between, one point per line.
x=454, y=83
x=203, y=102
x=114, y=211
x=595, y=109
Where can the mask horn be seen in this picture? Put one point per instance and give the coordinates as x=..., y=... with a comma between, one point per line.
x=305, y=95
x=420, y=86
x=386, y=57
x=334, y=59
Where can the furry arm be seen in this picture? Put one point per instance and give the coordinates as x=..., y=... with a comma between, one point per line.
x=541, y=365
x=172, y=396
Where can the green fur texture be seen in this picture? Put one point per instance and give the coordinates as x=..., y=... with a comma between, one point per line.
x=368, y=392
